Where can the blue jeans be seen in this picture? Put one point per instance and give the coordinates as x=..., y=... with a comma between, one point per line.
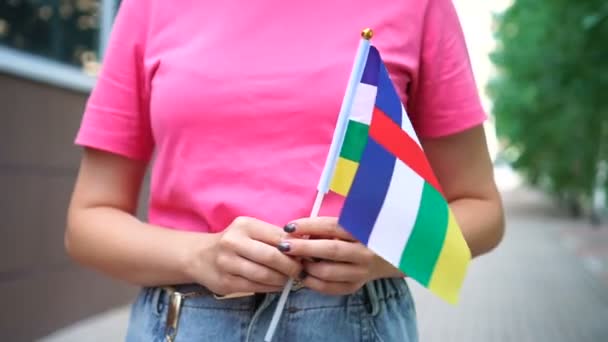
x=383, y=310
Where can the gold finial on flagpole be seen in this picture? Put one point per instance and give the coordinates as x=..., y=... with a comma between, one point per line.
x=367, y=33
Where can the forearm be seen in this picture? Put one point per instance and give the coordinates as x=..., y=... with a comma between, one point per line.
x=481, y=222
x=118, y=244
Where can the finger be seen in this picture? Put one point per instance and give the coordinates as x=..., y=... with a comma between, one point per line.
x=233, y=284
x=336, y=271
x=269, y=256
x=334, y=250
x=319, y=226
x=262, y=231
x=248, y=269
x=330, y=288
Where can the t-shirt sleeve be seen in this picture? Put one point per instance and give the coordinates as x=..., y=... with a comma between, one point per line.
x=444, y=98
x=116, y=117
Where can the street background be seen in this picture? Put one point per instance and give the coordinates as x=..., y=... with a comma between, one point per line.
x=541, y=71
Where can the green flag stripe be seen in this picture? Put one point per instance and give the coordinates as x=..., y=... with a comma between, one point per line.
x=425, y=243
x=354, y=141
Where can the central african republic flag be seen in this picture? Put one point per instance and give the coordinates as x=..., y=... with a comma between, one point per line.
x=394, y=203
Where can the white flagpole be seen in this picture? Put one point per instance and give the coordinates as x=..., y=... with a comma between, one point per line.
x=328, y=170
x=347, y=104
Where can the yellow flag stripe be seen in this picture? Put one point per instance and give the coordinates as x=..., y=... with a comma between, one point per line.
x=451, y=267
x=343, y=176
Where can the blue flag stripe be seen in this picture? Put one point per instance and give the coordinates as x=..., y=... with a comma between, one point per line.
x=372, y=66
x=370, y=185
x=366, y=196
x=387, y=99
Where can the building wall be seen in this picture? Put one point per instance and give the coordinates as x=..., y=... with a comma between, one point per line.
x=41, y=290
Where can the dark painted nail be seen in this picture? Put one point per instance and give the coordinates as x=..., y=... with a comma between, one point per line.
x=284, y=246
x=290, y=228
x=302, y=275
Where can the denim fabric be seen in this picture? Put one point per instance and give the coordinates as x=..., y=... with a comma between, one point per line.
x=383, y=310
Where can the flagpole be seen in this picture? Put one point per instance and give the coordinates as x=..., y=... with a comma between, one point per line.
x=334, y=149
x=347, y=104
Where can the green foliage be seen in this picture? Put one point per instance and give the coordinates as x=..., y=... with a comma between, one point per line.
x=551, y=91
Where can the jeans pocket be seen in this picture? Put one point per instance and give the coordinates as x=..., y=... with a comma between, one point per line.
x=212, y=324
x=395, y=320
x=146, y=320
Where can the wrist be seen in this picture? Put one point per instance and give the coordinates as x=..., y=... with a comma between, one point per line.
x=385, y=270
x=197, y=257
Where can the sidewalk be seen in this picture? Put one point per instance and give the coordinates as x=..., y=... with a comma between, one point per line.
x=532, y=288
x=539, y=285
x=590, y=244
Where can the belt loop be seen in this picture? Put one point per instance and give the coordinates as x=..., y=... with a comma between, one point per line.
x=268, y=299
x=157, y=300
x=372, y=298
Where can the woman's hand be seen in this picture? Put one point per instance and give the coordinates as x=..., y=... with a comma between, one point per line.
x=340, y=265
x=244, y=258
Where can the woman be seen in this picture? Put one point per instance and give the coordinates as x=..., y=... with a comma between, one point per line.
x=237, y=102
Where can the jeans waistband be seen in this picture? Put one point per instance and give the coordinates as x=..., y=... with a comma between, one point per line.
x=371, y=294
x=383, y=289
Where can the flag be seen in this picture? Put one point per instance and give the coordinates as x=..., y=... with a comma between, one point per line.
x=393, y=201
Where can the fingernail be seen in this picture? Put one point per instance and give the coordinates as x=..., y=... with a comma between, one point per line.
x=302, y=275
x=290, y=228
x=284, y=246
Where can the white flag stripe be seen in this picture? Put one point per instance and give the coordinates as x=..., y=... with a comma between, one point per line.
x=406, y=125
x=400, y=206
x=363, y=103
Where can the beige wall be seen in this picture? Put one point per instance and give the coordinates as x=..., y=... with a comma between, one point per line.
x=40, y=289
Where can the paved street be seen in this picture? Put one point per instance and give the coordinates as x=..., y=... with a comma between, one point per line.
x=534, y=287
x=546, y=282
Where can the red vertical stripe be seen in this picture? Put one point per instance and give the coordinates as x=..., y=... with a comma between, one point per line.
x=396, y=141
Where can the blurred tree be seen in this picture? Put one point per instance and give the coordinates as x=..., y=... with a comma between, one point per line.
x=549, y=93
x=63, y=30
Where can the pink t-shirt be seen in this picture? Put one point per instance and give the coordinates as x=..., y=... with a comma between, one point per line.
x=235, y=101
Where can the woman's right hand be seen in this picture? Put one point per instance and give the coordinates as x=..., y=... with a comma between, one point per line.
x=244, y=258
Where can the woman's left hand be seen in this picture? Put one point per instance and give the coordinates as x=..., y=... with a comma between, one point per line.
x=341, y=264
